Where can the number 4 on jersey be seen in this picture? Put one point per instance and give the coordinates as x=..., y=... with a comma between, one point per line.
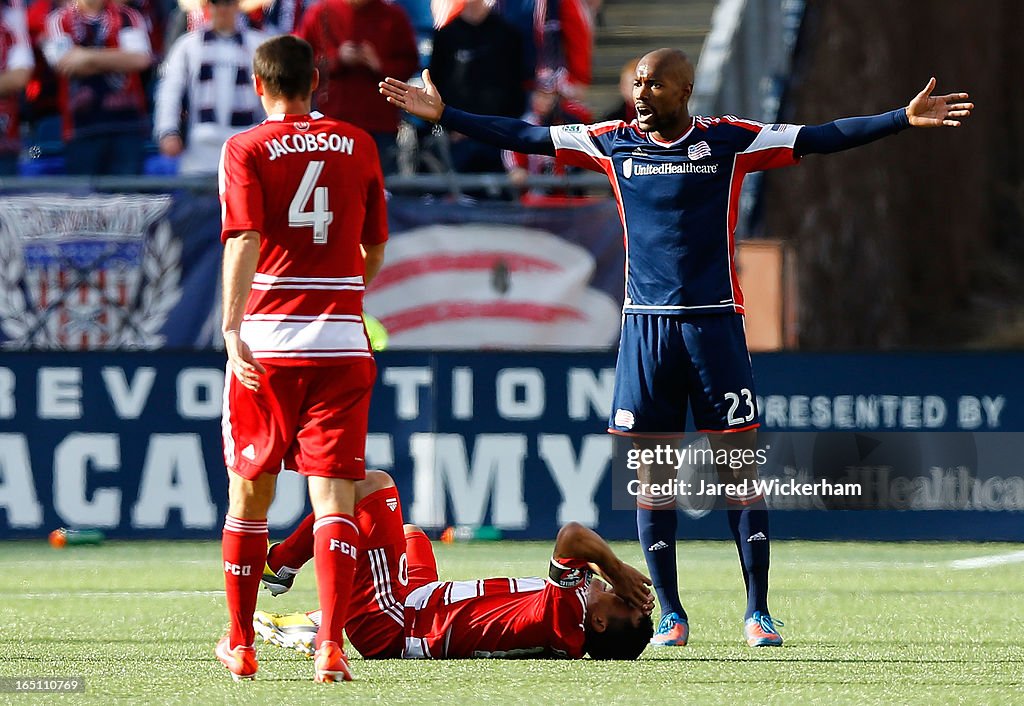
x=319, y=218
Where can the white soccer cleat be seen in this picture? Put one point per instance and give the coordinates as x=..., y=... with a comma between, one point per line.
x=292, y=631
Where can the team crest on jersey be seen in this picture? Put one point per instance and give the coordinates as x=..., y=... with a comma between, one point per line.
x=627, y=167
x=301, y=125
x=100, y=271
x=624, y=418
x=698, y=151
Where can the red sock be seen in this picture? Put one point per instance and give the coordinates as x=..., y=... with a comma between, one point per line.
x=244, y=549
x=379, y=518
x=335, y=538
x=296, y=549
x=419, y=553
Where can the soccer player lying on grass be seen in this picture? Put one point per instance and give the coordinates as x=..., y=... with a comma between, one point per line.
x=400, y=609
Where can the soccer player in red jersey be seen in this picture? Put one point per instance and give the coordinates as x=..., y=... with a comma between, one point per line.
x=400, y=609
x=304, y=228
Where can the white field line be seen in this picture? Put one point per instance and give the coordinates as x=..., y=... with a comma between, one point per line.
x=49, y=595
x=50, y=561
x=983, y=562
x=857, y=564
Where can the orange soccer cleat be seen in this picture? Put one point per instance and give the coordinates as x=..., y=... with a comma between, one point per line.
x=331, y=664
x=673, y=631
x=760, y=630
x=240, y=661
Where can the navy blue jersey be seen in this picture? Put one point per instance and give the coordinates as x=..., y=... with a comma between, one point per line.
x=678, y=202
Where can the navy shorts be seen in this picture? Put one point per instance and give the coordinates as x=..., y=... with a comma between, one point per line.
x=669, y=363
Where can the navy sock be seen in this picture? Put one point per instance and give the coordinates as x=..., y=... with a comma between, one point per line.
x=749, y=525
x=657, y=532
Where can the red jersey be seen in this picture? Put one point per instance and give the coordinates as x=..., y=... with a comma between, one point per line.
x=311, y=186
x=500, y=617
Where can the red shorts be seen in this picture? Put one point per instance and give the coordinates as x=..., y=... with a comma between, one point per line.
x=312, y=419
x=390, y=564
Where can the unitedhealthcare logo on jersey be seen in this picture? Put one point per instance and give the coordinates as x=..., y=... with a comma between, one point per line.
x=693, y=152
x=86, y=272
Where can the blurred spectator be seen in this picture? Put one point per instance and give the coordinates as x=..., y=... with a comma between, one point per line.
x=208, y=70
x=477, y=65
x=564, y=32
x=626, y=110
x=548, y=106
x=15, y=69
x=155, y=13
x=98, y=48
x=275, y=17
x=193, y=15
x=357, y=43
x=444, y=11
x=41, y=92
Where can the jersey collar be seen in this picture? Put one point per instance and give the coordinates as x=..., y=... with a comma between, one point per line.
x=693, y=121
x=289, y=118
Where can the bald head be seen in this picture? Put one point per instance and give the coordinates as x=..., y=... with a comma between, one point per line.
x=672, y=64
x=661, y=91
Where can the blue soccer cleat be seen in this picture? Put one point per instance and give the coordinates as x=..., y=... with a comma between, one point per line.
x=759, y=630
x=673, y=631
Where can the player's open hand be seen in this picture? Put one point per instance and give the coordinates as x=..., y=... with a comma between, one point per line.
x=243, y=363
x=926, y=110
x=423, y=102
x=632, y=586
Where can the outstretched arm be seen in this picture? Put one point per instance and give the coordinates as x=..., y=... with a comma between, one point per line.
x=506, y=133
x=575, y=541
x=925, y=110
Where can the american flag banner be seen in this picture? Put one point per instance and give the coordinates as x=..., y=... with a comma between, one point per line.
x=500, y=276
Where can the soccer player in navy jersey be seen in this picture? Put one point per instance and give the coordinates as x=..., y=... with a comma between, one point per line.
x=677, y=179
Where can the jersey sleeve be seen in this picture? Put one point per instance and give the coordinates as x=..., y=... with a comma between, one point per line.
x=55, y=42
x=763, y=146
x=375, y=225
x=134, y=35
x=241, y=195
x=586, y=146
x=568, y=573
x=566, y=601
x=20, y=54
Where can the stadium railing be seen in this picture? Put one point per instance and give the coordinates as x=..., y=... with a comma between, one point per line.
x=453, y=184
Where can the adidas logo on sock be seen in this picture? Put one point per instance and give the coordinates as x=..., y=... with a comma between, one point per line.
x=656, y=546
x=759, y=537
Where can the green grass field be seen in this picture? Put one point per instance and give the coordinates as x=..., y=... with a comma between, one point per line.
x=865, y=623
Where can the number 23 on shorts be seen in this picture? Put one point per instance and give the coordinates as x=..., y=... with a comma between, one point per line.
x=742, y=407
